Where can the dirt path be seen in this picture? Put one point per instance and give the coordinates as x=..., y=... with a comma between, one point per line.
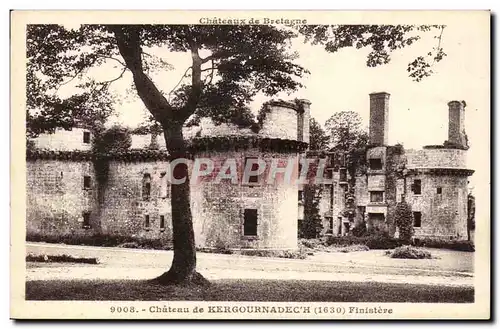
x=118, y=263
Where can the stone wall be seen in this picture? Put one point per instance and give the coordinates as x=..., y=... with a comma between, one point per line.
x=280, y=122
x=64, y=140
x=436, y=158
x=124, y=207
x=443, y=215
x=218, y=208
x=56, y=198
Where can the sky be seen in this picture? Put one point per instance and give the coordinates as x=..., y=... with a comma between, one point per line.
x=418, y=111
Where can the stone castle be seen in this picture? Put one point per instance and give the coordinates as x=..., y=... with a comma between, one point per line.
x=68, y=195
x=433, y=181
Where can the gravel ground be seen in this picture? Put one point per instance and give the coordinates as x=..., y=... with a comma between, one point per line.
x=451, y=268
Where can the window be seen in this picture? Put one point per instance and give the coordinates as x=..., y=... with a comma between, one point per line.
x=376, y=196
x=146, y=187
x=330, y=225
x=343, y=175
x=162, y=223
x=439, y=190
x=250, y=222
x=86, y=220
x=255, y=167
x=86, y=137
x=147, y=224
x=417, y=186
x=301, y=195
x=417, y=219
x=164, y=186
x=375, y=164
x=86, y=182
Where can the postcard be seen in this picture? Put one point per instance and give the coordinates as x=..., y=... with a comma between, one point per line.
x=319, y=165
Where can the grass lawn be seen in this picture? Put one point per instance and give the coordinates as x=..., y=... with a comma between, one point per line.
x=248, y=290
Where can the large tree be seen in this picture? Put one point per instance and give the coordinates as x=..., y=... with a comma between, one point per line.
x=318, y=139
x=229, y=66
x=348, y=138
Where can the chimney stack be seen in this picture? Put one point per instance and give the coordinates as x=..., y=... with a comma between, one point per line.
x=456, y=124
x=303, y=116
x=379, y=118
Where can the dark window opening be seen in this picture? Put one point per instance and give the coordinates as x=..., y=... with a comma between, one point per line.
x=146, y=221
x=146, y=187
x=376, y=196
x=343, y=174
x=86, y=220
x=375, y=164
x=301, y=195
x=86, y=137
x=439, y=190
x=164, y=186
x=417, y=186
x=86, y=182
x=330, y=225
x=250, y=222
x=417, y=219
x=255, y=167
x=162, y=222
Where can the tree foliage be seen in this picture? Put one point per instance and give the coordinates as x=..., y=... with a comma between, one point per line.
x=311, y=224
x=382, y=40
x=112, y=140
x=348, y=137
x=318, y=139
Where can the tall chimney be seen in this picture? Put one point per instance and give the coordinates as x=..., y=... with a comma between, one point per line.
x=303, y=116
x=379, y=118
x=456, y=124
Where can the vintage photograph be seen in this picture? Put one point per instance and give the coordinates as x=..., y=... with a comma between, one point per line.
x=320, y=165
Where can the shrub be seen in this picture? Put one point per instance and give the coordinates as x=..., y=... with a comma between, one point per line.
x=404, y=221
x=355, y=247
x=409, y=252
x=310, y=243
x=60, y=259
x=371, y=241
x=132, y=244
x=458, y=245
x=291, y=254
x=102, y=240
x=359, y=230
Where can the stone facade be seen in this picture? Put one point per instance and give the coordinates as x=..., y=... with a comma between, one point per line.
x=432, y=180
x=67, y=197
x=58, y=199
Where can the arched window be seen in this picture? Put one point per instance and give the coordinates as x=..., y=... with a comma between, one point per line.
x=146, y=187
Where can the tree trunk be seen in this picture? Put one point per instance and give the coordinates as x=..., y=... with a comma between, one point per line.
x=183, y=268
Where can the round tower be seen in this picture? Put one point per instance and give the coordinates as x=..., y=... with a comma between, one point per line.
x=248, y=200
x=437, y=182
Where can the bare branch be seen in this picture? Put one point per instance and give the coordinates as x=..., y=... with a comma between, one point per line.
x=438, y=49
x=178, y=83
x=76, y=75
x=71, y=79
x=129, y=45
x=211, y=73
x=113, y=58
x=117, y=78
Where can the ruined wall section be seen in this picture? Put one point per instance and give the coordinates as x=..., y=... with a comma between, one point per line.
x=126, y=206
x=218, y=209
x=56, y=198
